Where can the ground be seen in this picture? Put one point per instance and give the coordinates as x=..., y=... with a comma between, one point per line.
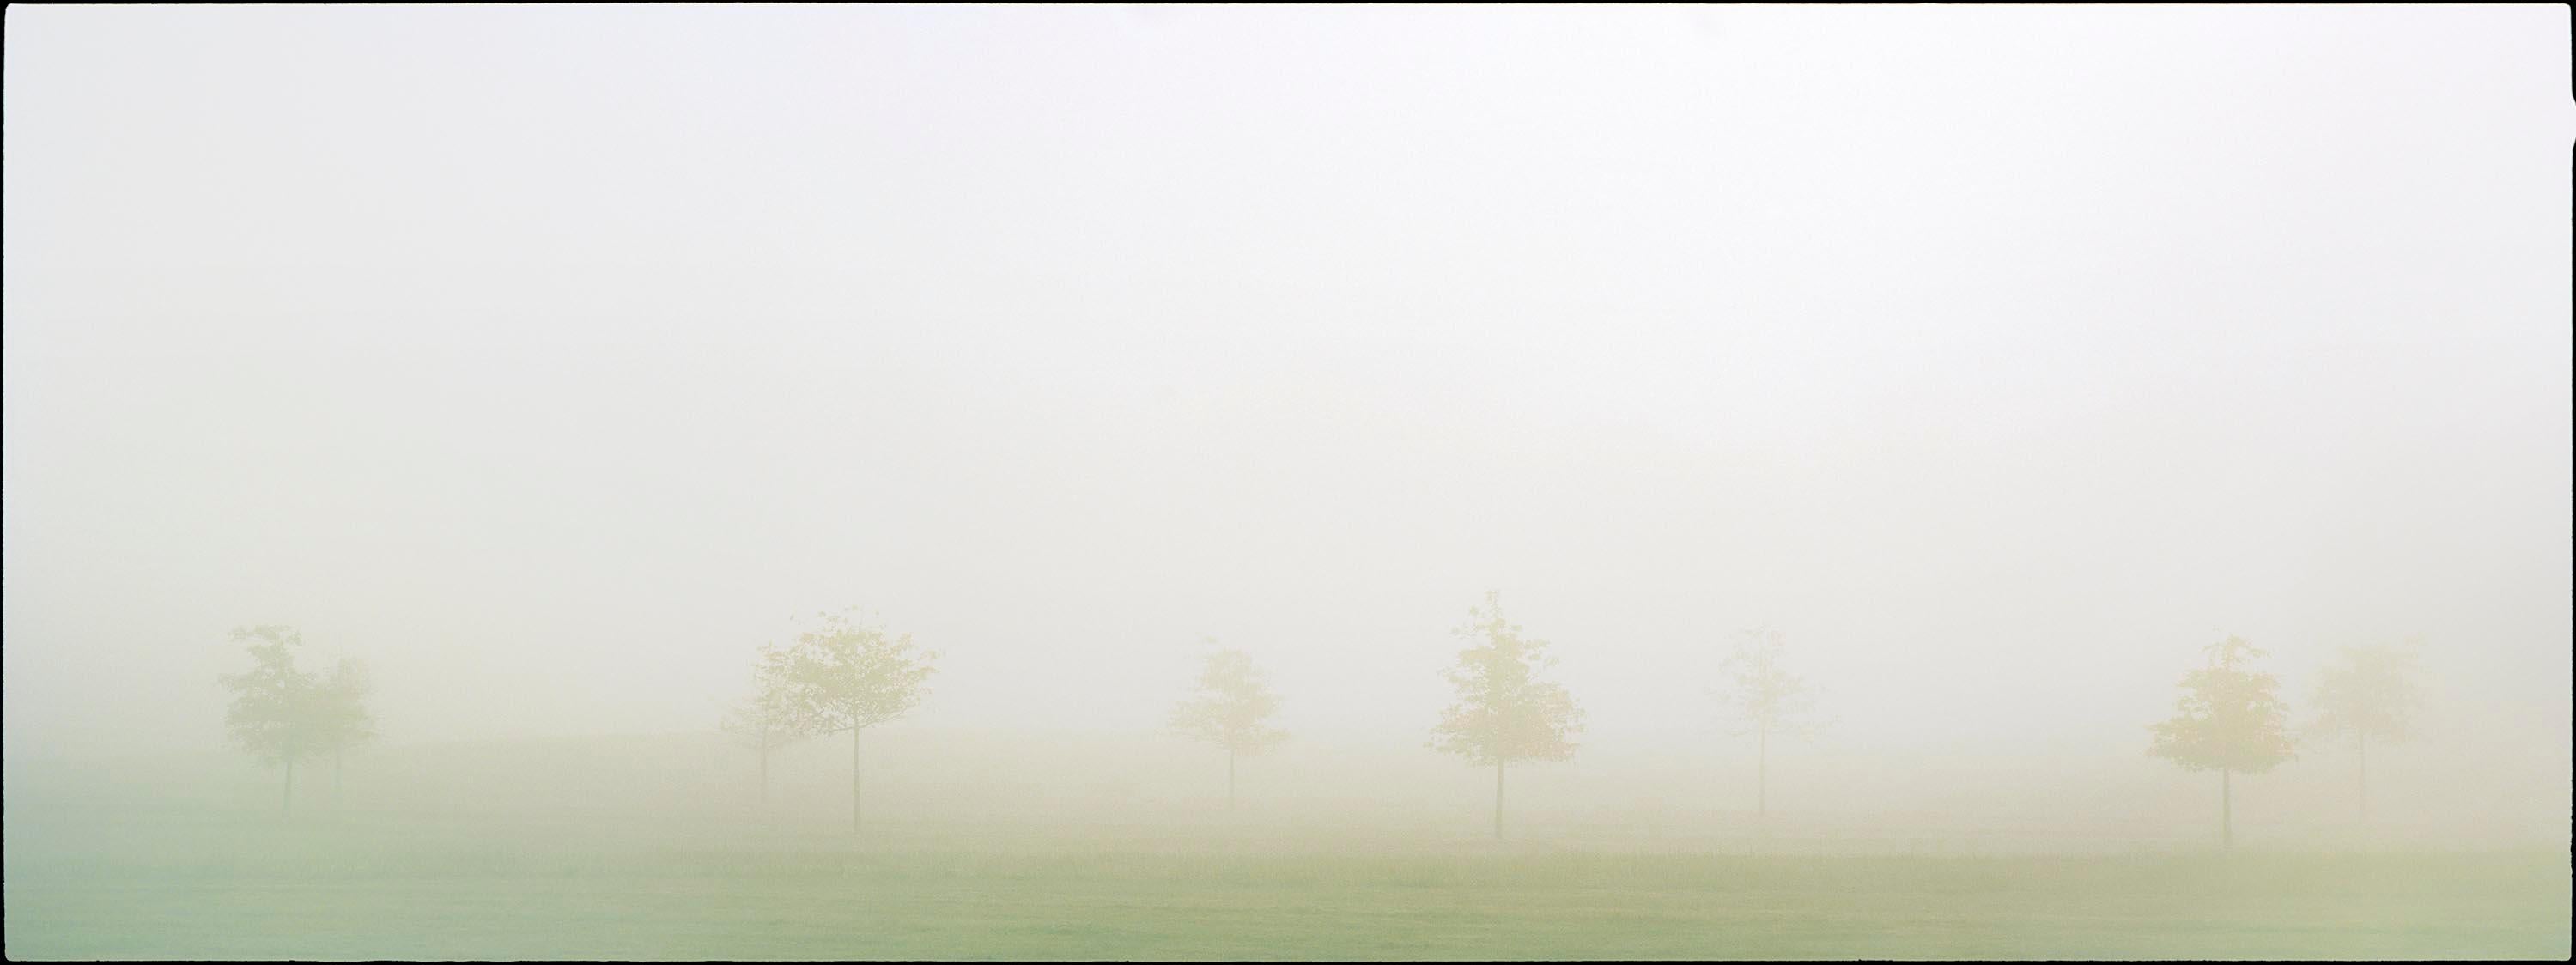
x=486, y=888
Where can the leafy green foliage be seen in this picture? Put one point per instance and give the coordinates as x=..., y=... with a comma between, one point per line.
x=283, y=714
x=341, y=718
x=1504, y=712
x=2230, y=718
x=1231, y=706
x=1764, y=696
x=2369, y=694
x=768, y=719
x=271, y=702
x=845, y=675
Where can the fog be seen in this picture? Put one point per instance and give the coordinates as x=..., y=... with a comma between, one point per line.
x=552, y=360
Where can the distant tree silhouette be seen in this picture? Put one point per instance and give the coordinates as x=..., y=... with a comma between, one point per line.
x=343, y=721
x=278, y=713
x=1766, y=699
x=765, y=721
x=1504, y=712
x=2230, y=719
x=2369, y=693
x=1230, y=709
x=847, y=676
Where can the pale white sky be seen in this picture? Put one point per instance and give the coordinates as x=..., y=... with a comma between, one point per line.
x=551, y=358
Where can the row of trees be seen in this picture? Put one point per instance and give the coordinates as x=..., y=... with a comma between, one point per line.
x=848, y=676
x=2230, y=718
x=845, y=675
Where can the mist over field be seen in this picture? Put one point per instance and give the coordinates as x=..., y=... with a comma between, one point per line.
x=549, y=363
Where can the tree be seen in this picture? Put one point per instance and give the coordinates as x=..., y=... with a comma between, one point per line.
x=1504, y=712
x=847, y=676
x=2370, y=693
x=277, y=712
x=1229, y=709
x=341, y=719
x=2230, y=719
x=765, y=722
x=1766, y=699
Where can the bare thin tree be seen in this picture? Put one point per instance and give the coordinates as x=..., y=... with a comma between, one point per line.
x=1230, y=708
x=766, y=721
x=344, y=721
x=2371, y=692
x=1765, y=699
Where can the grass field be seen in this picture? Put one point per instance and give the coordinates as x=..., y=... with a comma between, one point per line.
x=380, y=888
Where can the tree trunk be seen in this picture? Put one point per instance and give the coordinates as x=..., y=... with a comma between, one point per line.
x=1229, y=779
x=854, y=780
x=1762, y=774
x=2361, y=780
x=1498, y=800
x=286, y=795
x=2226, y=810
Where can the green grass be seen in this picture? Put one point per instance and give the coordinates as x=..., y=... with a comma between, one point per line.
x=382, y=889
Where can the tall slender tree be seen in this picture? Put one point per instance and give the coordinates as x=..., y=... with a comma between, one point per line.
x=765, y=722
x=2370, y=693
x=1230, y=709
x=342, y=718
x=2230, y=720
x=277, y=710
x=1504, y=713
x=1766, y=700
x=845, y=675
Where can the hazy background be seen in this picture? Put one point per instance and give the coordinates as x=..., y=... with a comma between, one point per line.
x=550, y=360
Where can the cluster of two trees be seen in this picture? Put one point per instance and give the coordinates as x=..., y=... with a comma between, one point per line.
x=283, y=714
x=1505, y=714
x=2231, y=718
x=848, y=676
x=843, y=675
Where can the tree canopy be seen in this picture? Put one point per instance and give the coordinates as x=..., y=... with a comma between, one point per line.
x=1231, y=706
x=276, y=709
x=281, y=713
x=768, y=719
x=2369, y=693
x=2230, y=717
x=341, y=719
x=1504, y=713
x=846, y=675
x=1763, y=695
